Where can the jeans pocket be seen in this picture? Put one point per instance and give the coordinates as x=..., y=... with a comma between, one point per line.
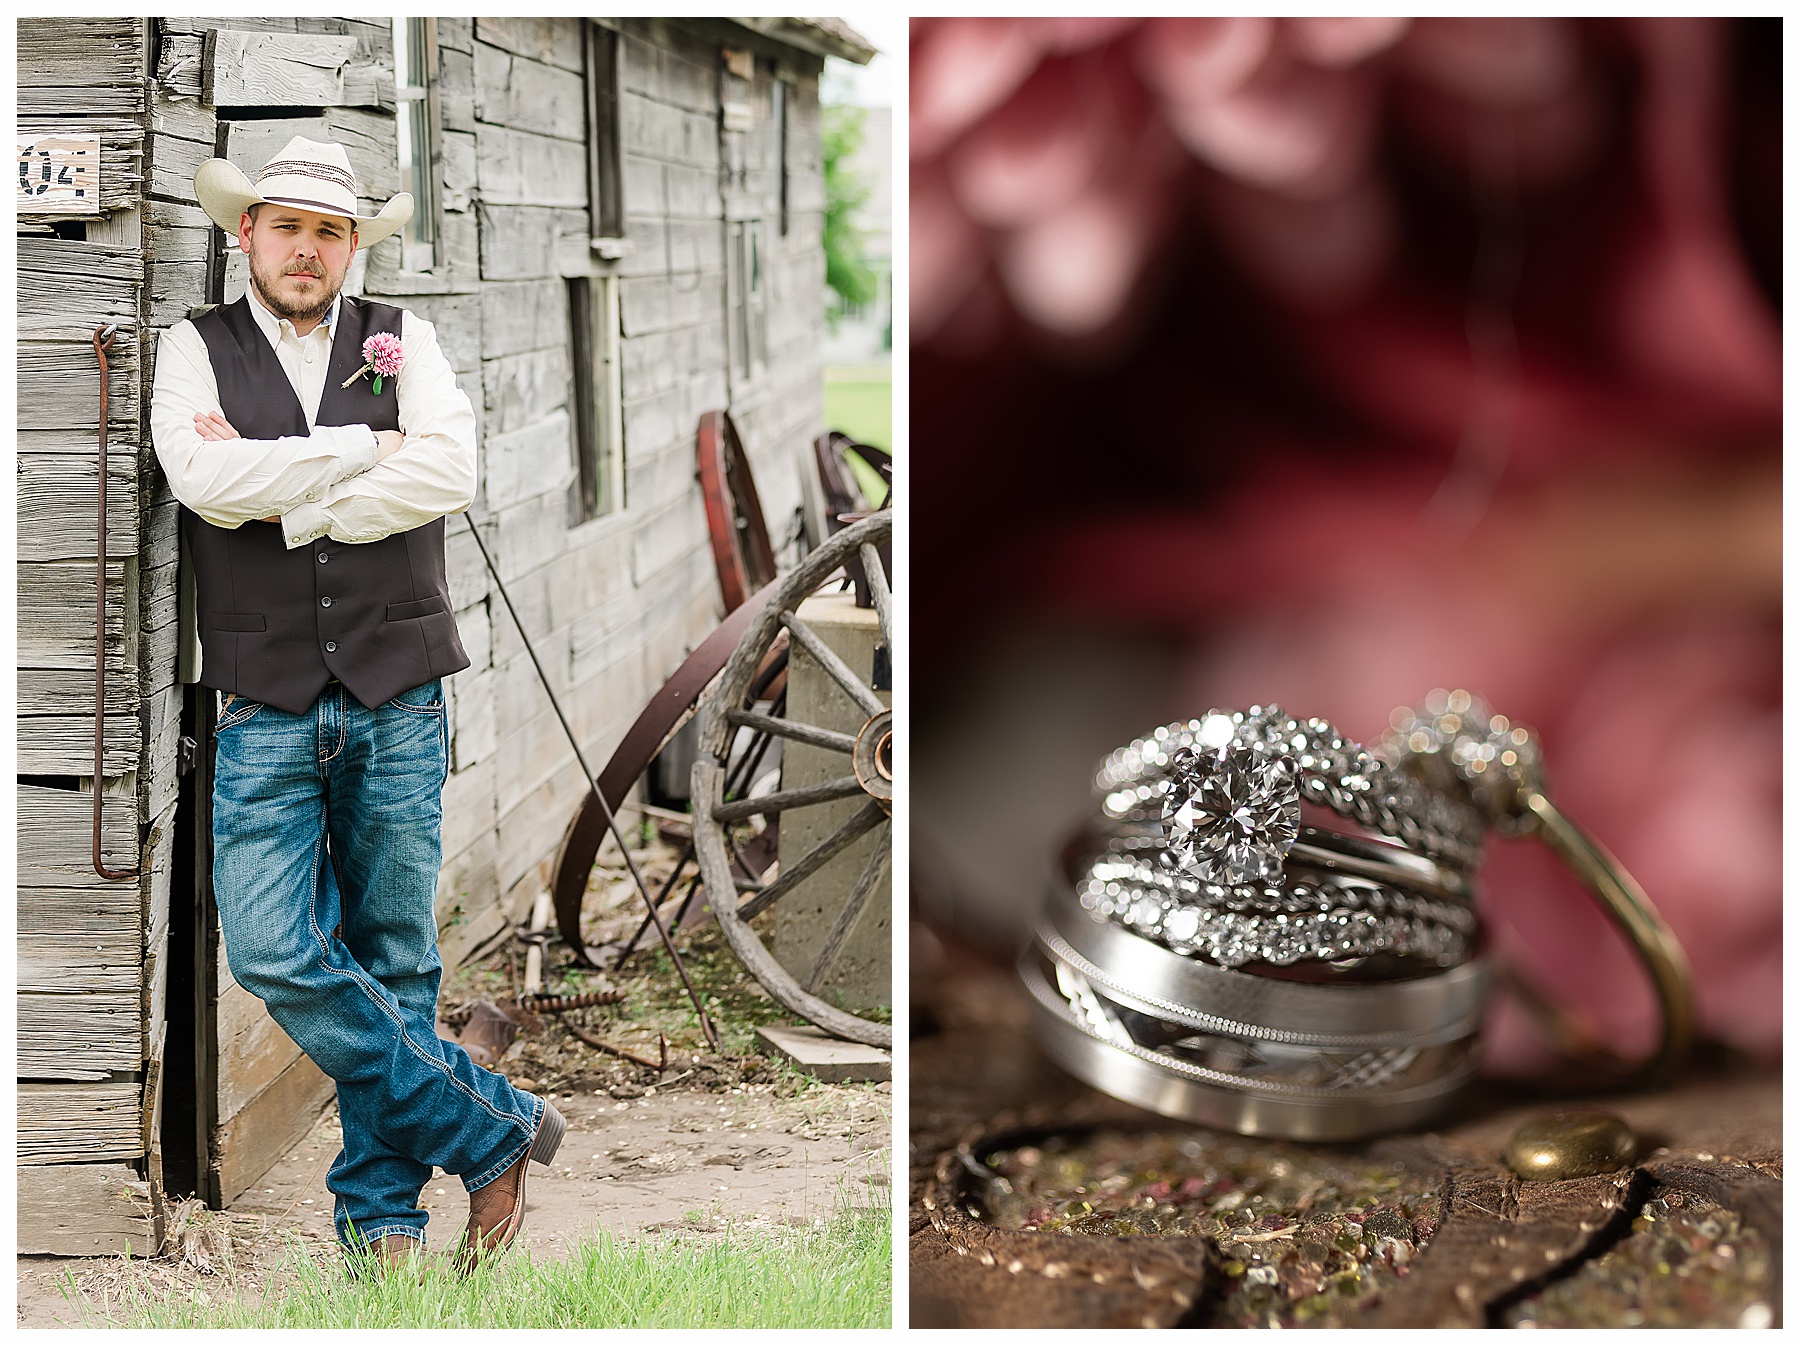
x=235, y=709
x=425, y=699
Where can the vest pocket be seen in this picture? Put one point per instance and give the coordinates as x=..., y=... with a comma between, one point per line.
x=419, y=607
x=237, y=621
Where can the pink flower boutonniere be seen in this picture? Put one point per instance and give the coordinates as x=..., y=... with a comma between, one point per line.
x=382, y=356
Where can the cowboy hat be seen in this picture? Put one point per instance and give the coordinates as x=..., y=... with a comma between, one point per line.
x=307, y=174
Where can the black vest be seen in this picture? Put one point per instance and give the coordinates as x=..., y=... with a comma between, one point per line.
x=277, y=625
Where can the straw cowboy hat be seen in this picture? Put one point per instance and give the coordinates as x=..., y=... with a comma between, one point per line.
x=307, y=174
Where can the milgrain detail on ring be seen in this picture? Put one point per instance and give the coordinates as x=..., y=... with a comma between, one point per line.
x=1369, y=1076
x=1062, y=952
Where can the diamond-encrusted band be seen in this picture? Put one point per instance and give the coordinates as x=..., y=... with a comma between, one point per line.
x=1226, y=788
x=1328, y=919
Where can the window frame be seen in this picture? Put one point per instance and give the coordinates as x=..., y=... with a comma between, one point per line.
x=417, y=110
x=598, y=490
x=601, y=55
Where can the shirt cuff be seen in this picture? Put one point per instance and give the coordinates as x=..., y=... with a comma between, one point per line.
x=354, y=446
x=303, y=524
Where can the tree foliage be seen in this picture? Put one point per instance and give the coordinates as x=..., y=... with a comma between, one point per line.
x=847, y=272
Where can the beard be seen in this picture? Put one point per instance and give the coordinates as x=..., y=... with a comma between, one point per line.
x=265, y=278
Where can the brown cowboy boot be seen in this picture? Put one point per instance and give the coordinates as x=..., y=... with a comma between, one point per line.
x=497, y=1211
x=386, y=1255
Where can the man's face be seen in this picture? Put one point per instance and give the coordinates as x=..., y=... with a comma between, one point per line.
x=298, y=260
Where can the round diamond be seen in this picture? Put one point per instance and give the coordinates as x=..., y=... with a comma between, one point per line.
x=1182, y=925
x=1232, y=815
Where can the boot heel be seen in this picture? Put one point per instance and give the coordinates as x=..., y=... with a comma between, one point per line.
x=549, y=1134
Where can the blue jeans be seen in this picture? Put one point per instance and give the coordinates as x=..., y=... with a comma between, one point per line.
x=325, y=866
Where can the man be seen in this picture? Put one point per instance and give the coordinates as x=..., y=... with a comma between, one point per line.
x=315, y=489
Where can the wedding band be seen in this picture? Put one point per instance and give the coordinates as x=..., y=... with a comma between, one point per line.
x=1257, y=1055
x=1317, y=849
x=1455, y=742
x=1310, y=918
x=1227, y=787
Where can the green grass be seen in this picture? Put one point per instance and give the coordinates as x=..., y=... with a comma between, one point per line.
x=860, y=402
x=836, y=1274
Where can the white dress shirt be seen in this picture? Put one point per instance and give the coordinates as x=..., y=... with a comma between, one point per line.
x=325, y=483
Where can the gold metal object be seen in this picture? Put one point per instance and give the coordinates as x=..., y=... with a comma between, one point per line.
x=1629, y=909
x=1453, y=737
x=1570, y=1144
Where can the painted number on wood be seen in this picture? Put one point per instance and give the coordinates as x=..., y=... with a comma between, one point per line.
x=59, y=175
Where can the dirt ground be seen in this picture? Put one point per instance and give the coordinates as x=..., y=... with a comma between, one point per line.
x=715, y=1139
x=673, y=1158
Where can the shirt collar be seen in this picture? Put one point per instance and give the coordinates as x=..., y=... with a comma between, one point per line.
x=275, y=328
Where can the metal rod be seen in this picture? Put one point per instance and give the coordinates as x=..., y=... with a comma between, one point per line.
x=706, y=1024
x=103, y=340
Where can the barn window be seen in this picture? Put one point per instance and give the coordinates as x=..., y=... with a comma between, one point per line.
x=747, y=291
x=416, y=128
x=606, y=198
x=599, y=486
x=779, y=101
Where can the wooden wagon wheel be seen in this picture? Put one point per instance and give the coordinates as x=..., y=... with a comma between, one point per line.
x=867, y=774
x=734, y=515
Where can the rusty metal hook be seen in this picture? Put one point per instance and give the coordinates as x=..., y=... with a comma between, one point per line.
x=103, y=340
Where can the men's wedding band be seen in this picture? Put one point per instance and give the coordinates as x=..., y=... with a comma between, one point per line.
x=1258, y=1055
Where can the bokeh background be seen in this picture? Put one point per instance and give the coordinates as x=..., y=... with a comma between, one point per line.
x=1328, y=361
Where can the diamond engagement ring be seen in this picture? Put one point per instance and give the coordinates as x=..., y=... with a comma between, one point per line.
x=1455, y=743
x=1226, y=790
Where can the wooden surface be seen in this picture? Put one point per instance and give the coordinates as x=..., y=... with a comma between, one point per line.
x=66, y=1124
x=275, y=69
x=262, y=1133
x=977, y=1074
x=83, y=1210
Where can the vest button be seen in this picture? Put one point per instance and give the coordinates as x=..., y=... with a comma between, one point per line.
x=324, y=557
x=331, y=647
x=324, y=602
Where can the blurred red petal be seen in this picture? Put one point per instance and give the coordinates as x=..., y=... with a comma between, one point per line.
x=1197, y=59
x=1071, y=273
x=1506, y=62
x=945, y=252
x=1066, y=36
x=962, y=69
x=1036, y=153
x=1339, y=42
x=1315, y=255
x=1293, y=129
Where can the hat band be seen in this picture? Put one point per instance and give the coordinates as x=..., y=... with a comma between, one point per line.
x=320, y=207
x=287, y=168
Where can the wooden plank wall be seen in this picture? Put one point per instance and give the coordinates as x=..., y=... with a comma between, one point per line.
x=91, y=952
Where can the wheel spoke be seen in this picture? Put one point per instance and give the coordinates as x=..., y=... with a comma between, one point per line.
x=846, y=919
x=792, y=729
x=878, y=588
x=808, y=864
x=836, y=667
x=825, y=791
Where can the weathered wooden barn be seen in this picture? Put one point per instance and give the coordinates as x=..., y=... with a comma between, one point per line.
x=618, y=230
